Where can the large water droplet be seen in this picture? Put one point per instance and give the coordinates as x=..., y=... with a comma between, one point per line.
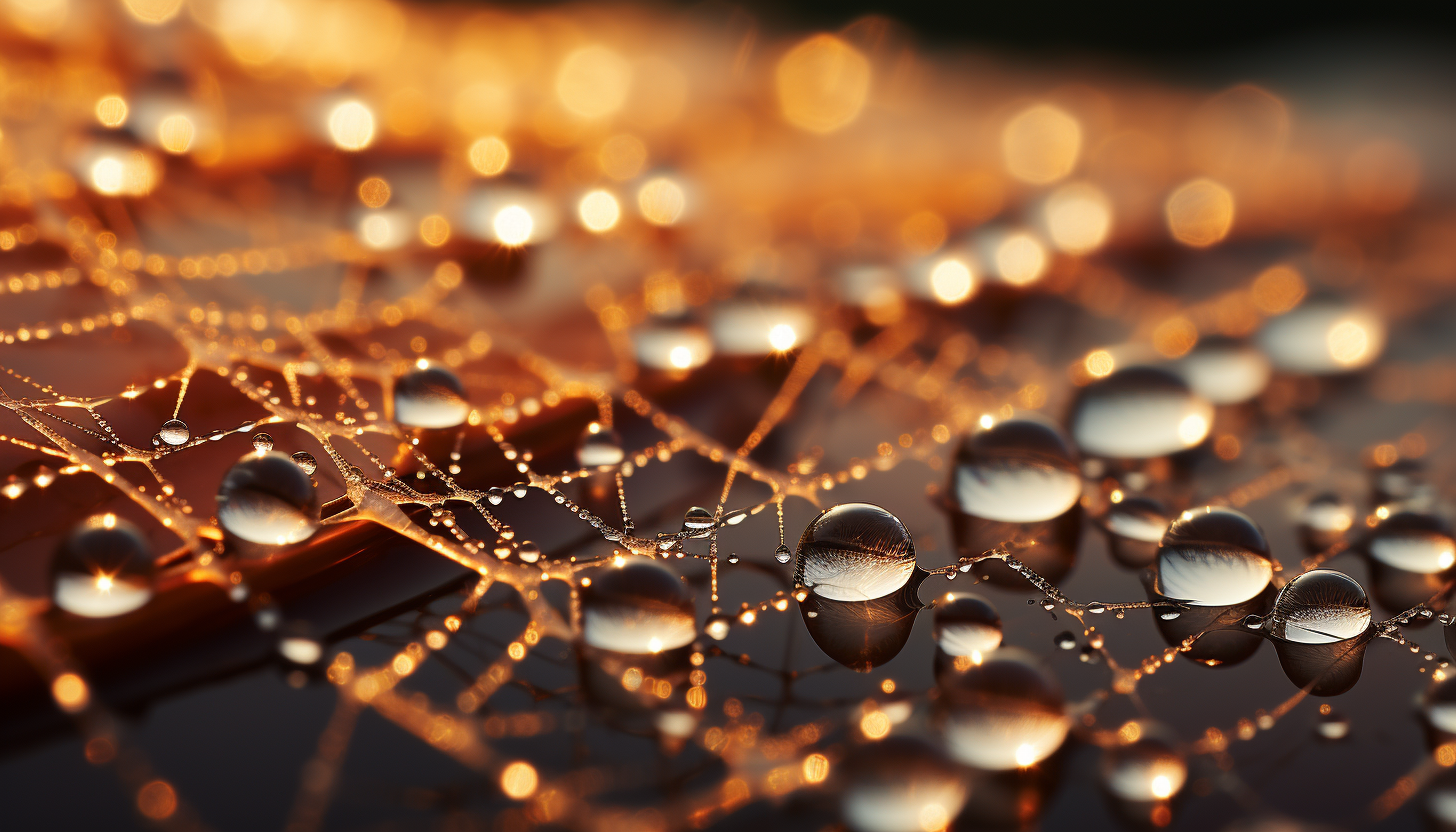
x=639, y=607
x=1419, y=543
x=855, y=552
x=863, y=635
x=1321, y=606
x=966, y=625
x=1323, y=336
x=697, y=519
x=1224, y=371
x=102, y=568
x=262, y=443
x=305, y=460
x=599, y=447
x=175, y=432
x=900, y=784
x=1145, y=765
x=1134, y=527
x=1213, y=557
x=1005, y=713
x=430, y=396
x=1324, y=520
x=1020, y=470
x=269, y=500
x=1139, y=413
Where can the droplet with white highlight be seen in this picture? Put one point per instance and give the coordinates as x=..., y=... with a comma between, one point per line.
x=103, y=568
x=854, y=552
x=1139, y=413
x=1213, y=557
x=429, y=396
x=639, y=607
x=268, y=499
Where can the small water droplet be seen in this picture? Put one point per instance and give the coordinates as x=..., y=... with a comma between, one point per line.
x=495, y=495
x=782, y=554
x=599, y=447
x=175, y=432
x=718, y=626
x=262, y=443
x=697, y=519
x=1065, y=640
x=305, y=460
x=520, y=489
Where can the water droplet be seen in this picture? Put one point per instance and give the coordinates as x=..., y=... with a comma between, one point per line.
x=1019, y=471
x=102, y=568
x=1134, y=526
x=1419, y=543
x=1324, y=520
x=1213, y=557
x=697, y=519
x=528, y=551
x=268, y=499
x=156, y=440
x=1089, y=655
x=520, y=489
x=175, y=432
x=1438, y=706
x=1332, y=726
x=759, y=326
x=1096, y=608
x=305, y=460
x=900, y=784
x=1224, y=370
x=1139, y=413
x=732, y=558
x=1145, y=765
x=430, y=397
x=671, y=345
x=855, y=552
x=495, y=495
x=599, y=448
x=1006, y=713
x=1321, y=606
x=638, y=607
x=1065, y=640
x=782, y=554
x=1323, y=336
x=262, y=443
x=718, y=626
x=966, y=625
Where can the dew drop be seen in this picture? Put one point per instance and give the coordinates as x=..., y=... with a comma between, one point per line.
x=1321, y=606
x=520, y=489
x=697, y=519
x=1134, y=526
x=298, y=650
x=782, y=554
x=103, y=568
x=175, y=432
x=305, y=460
x=430, y=396
x=732, y=558
x=966, y=625
x=1324, y=520
x=1323, y=336
x=855, y=552
x=262, y=443
x=268, y=499
x=1412, y=542
x=1018, y=471
x=1145, y=765
x=717, y=626
x=638, y=607
x=1438, y=706
x=495, y=495
x=528, y=551
x=1213, y=557
x=1332, y=726
x=1139, y=413
x=1224, y=370
x=1006, y=713
x=900, y=784
x=1065, y=640
x=599, y=447
x=156, y=440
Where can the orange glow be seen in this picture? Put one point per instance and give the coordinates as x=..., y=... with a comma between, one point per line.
x=518, y=780
x=157, y=800
x=153, y=12
x=1200, y=213
x=661, y=201
x=111, y=111
x=374, y=192
x=1277, y=290
x=70, y=692
x=1041, y=144
x=822, y=84
x=351, y=125
x=1078, y=217
x=489, y=156
x=599, y=211
x=816, y=768
x=951, y=282
x=593, y=82
x=622, y=157
x=1021, y=259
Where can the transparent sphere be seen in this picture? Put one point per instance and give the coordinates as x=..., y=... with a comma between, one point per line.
x=268, y=499
x=1145, y=764
x=697, y=519
x=1321, y=606
x=1323, y=336
x=966, y=625
x=430, y=396
x=102, y=568
x=638, y=607
x=305, y=460
x=1324, y=520
x=599, y=447
x=1134, y=527
x=900, y=784
x=175, y=432
x=1139, y=413
x=1438, y=705
x=1413, y=542
x=1213, y=557
x=1019, y=471
x=1224, y=371
x=1007, y=712
x=854, y=552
